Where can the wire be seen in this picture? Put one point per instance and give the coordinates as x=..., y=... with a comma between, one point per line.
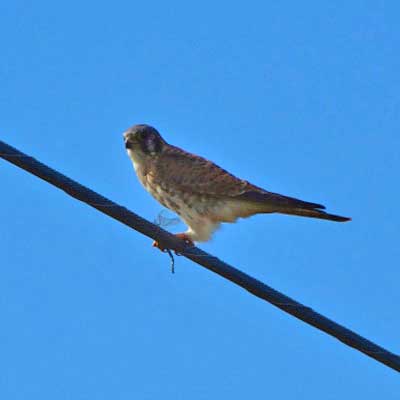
x=208, y=261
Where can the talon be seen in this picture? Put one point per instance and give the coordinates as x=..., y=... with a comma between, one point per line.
x=182, y=236
x=158, y=246
x=186, y=238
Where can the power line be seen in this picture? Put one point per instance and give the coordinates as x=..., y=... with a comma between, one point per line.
x=200, y=257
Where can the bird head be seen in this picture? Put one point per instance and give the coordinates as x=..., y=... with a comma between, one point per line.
x=143, y=141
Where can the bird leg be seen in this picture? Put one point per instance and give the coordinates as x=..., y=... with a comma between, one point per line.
x=185, y=237
x=182, y=236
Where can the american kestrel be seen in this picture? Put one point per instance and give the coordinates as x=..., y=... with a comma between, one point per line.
x=199, y=191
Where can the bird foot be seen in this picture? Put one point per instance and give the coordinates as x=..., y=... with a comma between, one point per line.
x=182, y=236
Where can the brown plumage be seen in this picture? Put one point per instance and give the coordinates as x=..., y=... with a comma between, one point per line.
x=199, y=191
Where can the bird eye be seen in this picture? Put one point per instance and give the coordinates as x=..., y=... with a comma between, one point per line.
x=150, y=142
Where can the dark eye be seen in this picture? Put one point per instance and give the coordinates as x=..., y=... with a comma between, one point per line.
x=150, y=143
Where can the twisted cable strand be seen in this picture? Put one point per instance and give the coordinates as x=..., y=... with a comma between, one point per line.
x=212, y=263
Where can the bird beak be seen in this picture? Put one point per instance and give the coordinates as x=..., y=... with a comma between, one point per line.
x=128, y=144
x=128, y=141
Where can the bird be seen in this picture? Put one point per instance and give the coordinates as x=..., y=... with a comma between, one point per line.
x=203, y=194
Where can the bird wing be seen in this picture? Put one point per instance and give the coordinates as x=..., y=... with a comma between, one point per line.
x=195, y=174
x=188, y=172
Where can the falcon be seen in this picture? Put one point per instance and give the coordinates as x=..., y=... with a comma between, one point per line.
x=203, y=194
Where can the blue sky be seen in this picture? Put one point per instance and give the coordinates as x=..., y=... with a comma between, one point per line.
x=300, y=98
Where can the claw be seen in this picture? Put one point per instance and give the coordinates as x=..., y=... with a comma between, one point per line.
x=182, y=236
x=158, y=246
x=185, y=238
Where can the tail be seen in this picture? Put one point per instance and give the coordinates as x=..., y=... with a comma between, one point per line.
x=268, y=202
x=302, y=212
